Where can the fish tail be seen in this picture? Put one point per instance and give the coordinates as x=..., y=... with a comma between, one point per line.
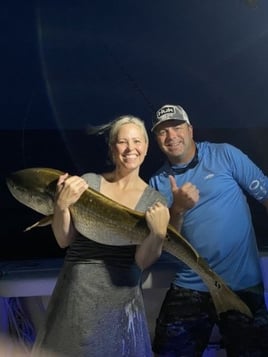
x=226, y=300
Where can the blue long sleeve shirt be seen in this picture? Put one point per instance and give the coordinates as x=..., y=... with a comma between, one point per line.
x=219, y=226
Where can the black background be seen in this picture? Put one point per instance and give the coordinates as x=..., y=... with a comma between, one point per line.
x=68, y=64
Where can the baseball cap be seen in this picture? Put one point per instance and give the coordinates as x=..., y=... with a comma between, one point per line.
x=170, y=112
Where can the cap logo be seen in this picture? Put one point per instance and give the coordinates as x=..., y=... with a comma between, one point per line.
x=166, y=110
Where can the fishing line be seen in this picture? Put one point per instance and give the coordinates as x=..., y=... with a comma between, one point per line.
x=43, y=30
x=130, y=78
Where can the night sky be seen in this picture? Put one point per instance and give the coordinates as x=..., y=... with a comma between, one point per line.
x=67, y=64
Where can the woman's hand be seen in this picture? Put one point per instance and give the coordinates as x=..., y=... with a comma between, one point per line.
x=69, y=190
x=157, y=218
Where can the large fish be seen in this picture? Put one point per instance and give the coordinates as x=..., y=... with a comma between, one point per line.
x=35, y=188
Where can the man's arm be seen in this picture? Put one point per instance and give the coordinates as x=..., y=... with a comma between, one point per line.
x=184, y=198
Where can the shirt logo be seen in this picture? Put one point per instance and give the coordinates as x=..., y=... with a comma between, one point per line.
x=257, y=189
x=209, y=176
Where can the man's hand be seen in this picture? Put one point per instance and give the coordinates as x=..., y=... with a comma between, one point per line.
x=184, y=197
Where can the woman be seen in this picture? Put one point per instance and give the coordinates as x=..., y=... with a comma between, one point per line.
x=97, y=308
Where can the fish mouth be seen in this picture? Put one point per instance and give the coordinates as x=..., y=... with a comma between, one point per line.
x=29, y=178
x=28, y=190
x=13, y=181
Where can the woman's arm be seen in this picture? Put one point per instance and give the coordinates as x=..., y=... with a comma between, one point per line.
x=157, y=218
x=69, y=190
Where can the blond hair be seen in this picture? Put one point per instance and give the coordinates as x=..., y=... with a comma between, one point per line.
x=122, y=120
x=113, y=128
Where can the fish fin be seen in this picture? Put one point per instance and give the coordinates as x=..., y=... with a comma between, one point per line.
x=41, y=223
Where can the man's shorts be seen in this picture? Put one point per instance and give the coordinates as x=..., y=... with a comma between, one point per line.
x=187, y=318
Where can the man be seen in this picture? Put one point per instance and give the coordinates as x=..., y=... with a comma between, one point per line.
x=204, y=184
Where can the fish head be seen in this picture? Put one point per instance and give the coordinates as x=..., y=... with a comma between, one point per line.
x=35, y=188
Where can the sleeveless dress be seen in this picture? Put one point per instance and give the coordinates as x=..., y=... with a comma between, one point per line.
x=96, y=309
